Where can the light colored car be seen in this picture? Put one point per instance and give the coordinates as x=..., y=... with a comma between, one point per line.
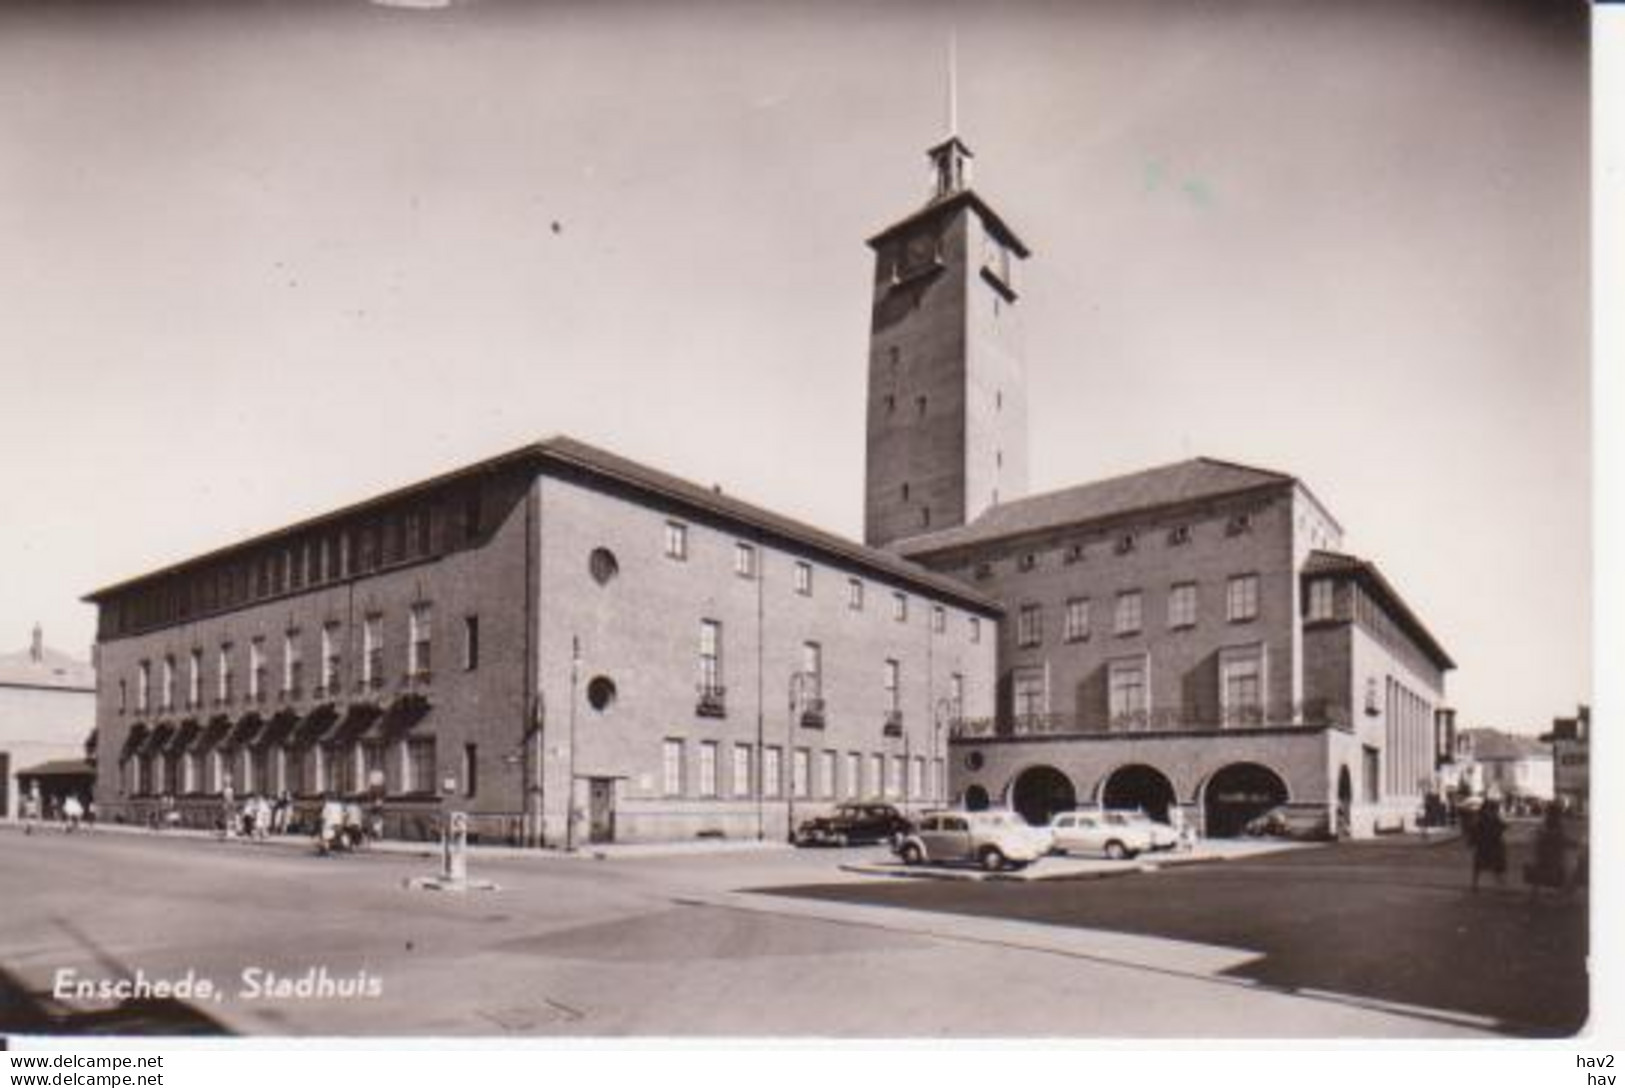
x=1087, y=832
x=1161, y=835
x=993, y=839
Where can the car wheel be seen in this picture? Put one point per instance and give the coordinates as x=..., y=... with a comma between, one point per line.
x=1116, y=850
x=993, y=859
x=911, y=854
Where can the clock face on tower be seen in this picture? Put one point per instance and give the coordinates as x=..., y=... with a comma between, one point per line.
x=921, y=250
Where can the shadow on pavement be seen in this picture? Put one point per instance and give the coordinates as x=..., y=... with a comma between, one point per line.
x=1392, y=923
x=27, y=1012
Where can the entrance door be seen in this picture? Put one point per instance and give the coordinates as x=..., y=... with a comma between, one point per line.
x=601, y=810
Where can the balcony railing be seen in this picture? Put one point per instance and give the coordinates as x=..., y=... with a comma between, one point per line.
x=1312, y=714
x=712, y=701
x=894, y=724
x=812, y=712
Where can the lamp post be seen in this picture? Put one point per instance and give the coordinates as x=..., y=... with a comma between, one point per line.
x=798, y=683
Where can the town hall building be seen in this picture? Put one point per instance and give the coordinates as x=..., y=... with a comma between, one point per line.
x=572, y=647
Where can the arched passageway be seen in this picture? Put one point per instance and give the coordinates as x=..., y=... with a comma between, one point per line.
x=1040, y=792
x=1237, y=793
x=1139, y=786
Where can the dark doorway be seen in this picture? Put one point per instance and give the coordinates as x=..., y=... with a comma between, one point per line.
x=601, y=810
x=976, y=799
x=1041, y=792
x=1236, y=794
x=1139, y=786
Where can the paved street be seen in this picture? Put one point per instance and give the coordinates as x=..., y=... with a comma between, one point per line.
x=674, y=946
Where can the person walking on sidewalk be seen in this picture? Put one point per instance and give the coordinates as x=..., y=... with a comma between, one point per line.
x=1489, y=844
x=31, y=809
x=73, y=811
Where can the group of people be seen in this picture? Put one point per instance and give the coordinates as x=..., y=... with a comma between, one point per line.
x=345, y=825
x=73, y=813
x=1485, y=835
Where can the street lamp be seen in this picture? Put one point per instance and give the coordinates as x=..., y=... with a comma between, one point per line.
x=798, y=684
x=570, y=785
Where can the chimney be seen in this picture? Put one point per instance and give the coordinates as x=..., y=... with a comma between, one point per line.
x=36, y=648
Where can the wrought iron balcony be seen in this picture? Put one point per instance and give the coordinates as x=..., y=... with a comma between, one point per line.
x=712, y=701
x=812, y=712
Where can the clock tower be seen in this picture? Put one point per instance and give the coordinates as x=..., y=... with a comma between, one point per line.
x=947, y=419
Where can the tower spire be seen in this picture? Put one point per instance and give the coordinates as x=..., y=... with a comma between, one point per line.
x=953, y=82
x=950, y=165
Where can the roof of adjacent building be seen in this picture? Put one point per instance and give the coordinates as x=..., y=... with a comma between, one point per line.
x=1366, y=573
x=59, y=768
x=39, y=666
x=564, y=452
x=1490, y=745
x=1137, y=492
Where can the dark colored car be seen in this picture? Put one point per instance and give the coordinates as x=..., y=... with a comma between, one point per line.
x=853, y=823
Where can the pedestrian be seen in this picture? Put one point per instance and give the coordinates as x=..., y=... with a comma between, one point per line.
x=330, y=824
x=228, y=811
x=1549, y=869
x=72, y=813
x=31, y=809
x=1489, y=844
x=280, y=813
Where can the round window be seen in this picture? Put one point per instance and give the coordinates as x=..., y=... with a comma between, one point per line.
x=975, y=760
x=601, y=692
x=603, y=565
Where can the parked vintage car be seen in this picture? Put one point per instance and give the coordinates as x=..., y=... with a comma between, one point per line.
x=993, y=839
x=1090, y=832
x=851, y=824
x=1161, y=835
x=1281, y=822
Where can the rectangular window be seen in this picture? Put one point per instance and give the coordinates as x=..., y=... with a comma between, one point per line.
x=800, y=772
x=894, y=777
x=956, y=695
x=341, y=770
x=939, y=619
x=1321, y=601
x=1075, y=626
x=1126, y=694
x=194, y=680
x=803, y=578
x=471, y=770
x=143, y=687
x=741, y=775
x=744, y=560
x=894, y=695
x=1030, y=696
x=899, y=607
x=1241, y=600
x=708, y=768
x=330, y=658
x=256, y=669
x=854, y=594
x=420, y=765
x=372, y=764
x=676, y=540
x=975, y=629
x=710, y=658
x=1029, y=625
x=772, y=763
x=293, y=664
x=123, y=696
x=169, y=683
x=1241, y=685
x=225, y=686
x=916, y=778
x=420, y=636
x=812, y=669
x=1182, y=605
x=877, y=775
x=852, y=783
x=671, y=767
x=1127, y=618
x=826, y=774
x=372, y=652
x=471, y=643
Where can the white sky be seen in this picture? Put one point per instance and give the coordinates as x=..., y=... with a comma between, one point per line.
x=262, y=260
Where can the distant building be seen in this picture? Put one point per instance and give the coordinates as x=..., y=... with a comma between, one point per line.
x=1506, y=766
x=1570, y=739
x=47, y=711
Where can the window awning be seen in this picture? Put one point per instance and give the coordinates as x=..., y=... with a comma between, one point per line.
x=134, y=739
x=358, y=719
x=319, y=719
x=246, y=728
x=184, y=736
x=213, y=733
x=277, y=729
x=158, y=739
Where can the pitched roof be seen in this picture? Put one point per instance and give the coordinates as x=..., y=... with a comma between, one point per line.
x=562, y=451
x=49, y=669
x=58, y=768
x=1493, y=744
x=1167, y=485
x=1366, y=573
